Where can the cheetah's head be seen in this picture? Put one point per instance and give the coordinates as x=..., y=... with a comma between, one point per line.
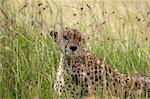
x=70, y=41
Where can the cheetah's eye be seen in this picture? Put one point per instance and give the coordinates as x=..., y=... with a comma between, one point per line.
x=65, y=37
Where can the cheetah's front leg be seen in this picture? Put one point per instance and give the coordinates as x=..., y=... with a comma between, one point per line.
x=59, y=83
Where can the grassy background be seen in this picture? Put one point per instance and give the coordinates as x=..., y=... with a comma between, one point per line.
x=119, y=31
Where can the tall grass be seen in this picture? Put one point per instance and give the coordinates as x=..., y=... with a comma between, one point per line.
x=119, y=31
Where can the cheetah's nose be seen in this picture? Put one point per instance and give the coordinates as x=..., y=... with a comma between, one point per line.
x=73, y=48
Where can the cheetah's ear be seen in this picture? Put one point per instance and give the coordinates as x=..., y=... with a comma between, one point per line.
x=53, y=34
x=85, y=38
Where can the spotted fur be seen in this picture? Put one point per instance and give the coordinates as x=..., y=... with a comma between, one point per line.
x=82, y=73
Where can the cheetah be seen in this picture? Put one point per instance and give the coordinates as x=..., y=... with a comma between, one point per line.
x=81, y=73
